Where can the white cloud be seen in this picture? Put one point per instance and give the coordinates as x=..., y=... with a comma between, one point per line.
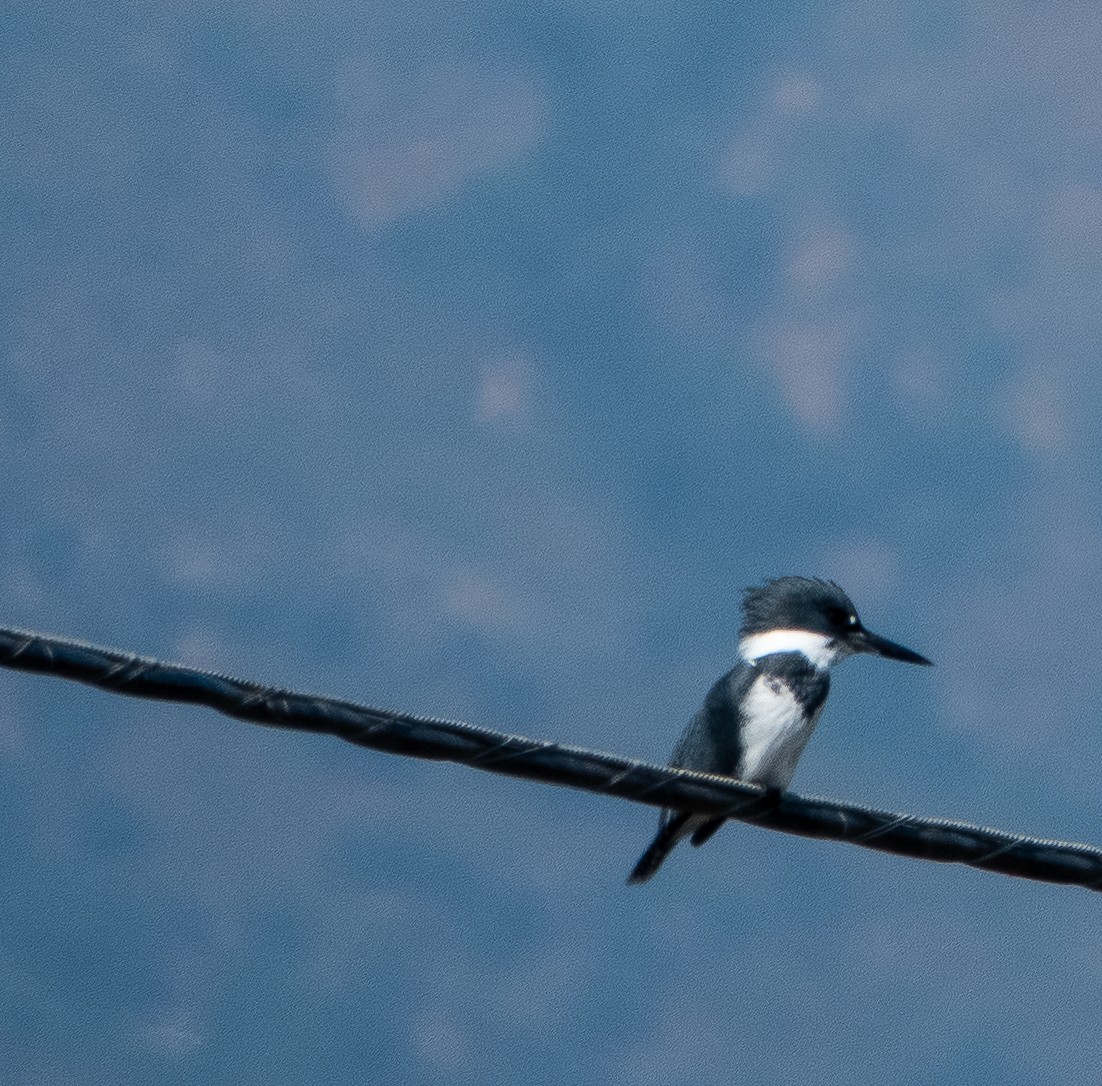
x=1037, y=412
x=808, y=336
x=213, y=559
x=505, y=390
x=992, y=141
x=753, y=157
x=865, y=567
x=484, y=602
x=176, y=1034
x=441, y=1043
x=412, y=139
x=810, y=363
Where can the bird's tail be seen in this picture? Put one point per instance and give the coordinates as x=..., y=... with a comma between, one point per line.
x=669, y=833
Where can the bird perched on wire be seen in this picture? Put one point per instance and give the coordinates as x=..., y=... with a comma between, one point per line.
x=757, y=719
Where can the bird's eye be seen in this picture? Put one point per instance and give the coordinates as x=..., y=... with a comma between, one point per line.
x=841, y=619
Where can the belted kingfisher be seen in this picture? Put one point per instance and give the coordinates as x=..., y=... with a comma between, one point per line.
x=757, y=719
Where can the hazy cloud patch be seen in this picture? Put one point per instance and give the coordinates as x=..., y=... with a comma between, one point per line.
x=412, y=139
x=505, y=390
x=810, y=363
x=177, y=1034
x=865, y=567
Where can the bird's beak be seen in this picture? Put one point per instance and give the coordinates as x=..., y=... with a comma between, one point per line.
x=864, y=641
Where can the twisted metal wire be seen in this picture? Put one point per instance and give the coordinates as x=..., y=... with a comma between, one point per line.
x=539, y=760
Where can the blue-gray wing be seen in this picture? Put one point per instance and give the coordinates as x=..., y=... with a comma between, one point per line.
x=710, y=744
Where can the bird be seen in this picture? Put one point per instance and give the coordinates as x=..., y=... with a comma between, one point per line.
x=757, y=719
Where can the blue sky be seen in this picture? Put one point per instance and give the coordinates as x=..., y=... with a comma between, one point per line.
x=471, y=359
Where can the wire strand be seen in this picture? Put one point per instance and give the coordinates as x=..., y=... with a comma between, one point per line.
x=934, y=839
